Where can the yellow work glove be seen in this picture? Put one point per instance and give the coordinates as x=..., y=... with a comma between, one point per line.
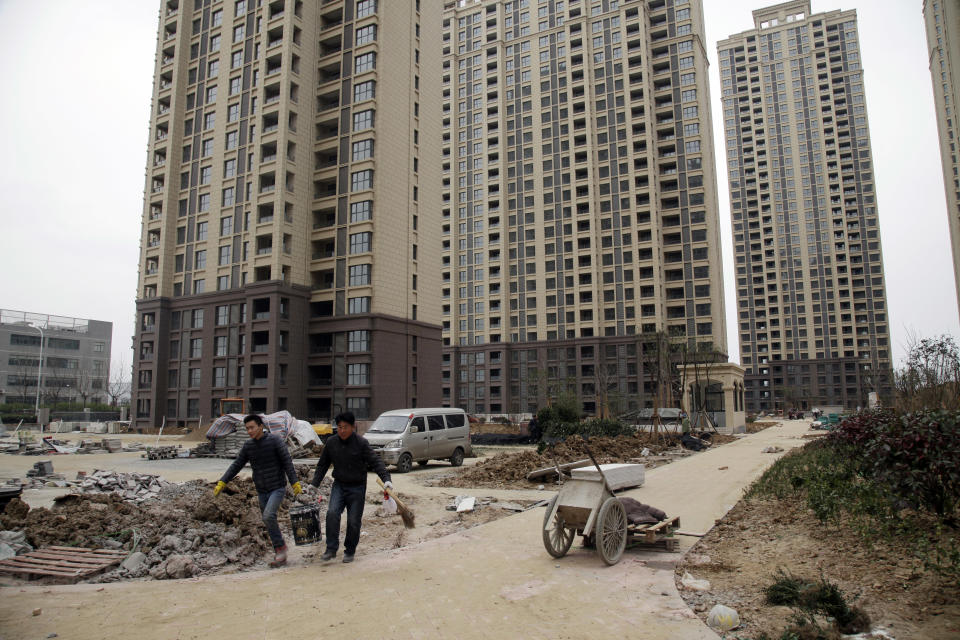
x=220, y=485
x=297, y=489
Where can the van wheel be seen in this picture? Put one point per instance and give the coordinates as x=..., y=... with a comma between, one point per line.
x=405, y=463
x=457, y=458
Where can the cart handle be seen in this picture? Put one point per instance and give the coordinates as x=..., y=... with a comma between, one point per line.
x=606, y=485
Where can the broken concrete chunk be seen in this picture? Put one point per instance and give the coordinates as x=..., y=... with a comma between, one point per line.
x=134, y=562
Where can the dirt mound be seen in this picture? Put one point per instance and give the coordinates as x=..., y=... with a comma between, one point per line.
x=185, y=519
x=196, y=435
x=511, y=468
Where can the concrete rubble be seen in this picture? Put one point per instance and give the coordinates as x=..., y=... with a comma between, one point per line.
x=135, y=487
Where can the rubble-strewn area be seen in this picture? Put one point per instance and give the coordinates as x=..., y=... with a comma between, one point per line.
x=508, y=470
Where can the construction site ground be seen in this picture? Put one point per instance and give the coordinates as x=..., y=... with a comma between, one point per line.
x=490, y=580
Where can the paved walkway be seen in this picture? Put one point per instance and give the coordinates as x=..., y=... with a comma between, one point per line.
x=492, y=581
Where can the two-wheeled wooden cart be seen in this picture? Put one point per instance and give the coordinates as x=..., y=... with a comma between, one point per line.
x=589, y=507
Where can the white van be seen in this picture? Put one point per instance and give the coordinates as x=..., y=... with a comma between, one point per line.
x=404, y=436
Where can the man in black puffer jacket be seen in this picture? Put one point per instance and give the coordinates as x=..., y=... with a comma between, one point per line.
x=272, y=466
x=351, y=456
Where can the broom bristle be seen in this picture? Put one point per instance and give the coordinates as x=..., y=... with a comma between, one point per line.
x=407, y=516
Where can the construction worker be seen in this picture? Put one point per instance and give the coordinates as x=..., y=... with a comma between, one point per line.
x=351, y=456
x=272, y=467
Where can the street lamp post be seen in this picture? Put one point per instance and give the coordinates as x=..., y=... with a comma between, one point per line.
x=39, y=376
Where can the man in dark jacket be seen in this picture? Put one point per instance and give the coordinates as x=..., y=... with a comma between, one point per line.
x=351, y=456
x=272, y=467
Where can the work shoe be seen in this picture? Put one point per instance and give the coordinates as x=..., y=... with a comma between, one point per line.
x=280, y=558
x=328, y=555
x=348, y=557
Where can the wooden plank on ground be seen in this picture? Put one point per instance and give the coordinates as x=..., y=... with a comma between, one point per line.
x=539, y=473
x=63, y=562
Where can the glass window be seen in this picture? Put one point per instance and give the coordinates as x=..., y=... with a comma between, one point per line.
x=362, y=150
x=360, y=242
x=363, y=120
x=360, y=211
x=365, y=62
x=359, y=275
x=361, y=180
x=364, y=91
x=358, y=373
x=358, y=305
x=366, y=8
x=366, y=34
x=358, y=341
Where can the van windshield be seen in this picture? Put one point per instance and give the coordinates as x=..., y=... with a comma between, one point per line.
x=388, y=424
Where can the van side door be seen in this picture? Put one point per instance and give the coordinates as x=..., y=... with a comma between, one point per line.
x=417, y=443
x=458, y=432
x=439, y=447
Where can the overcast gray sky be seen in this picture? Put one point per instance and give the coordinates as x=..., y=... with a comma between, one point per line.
x=74, y=116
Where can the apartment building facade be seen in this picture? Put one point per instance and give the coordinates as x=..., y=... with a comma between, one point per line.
x=942, y=21
x=68, y=357
x=291, y=214
x=811, y=300
x=579, y=211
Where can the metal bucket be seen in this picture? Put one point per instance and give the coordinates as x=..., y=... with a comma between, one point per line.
x=305, y=522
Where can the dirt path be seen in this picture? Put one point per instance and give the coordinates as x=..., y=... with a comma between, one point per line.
x=493, y=580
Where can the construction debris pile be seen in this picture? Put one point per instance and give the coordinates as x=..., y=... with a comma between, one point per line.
x=510, y=469
x=179, y=532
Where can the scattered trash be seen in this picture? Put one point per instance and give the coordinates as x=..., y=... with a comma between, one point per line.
x=466, y=505
x=645, y=452
x=722, y=618
x=37, y=612
x=690, y=583
x=771, y=450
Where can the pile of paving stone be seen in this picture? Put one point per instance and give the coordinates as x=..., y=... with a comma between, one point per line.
x=133, y=487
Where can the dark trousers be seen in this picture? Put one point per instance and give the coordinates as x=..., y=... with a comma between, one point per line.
x=269, y=504
x=351, y=498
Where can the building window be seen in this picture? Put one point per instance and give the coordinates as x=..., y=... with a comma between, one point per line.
x=197, y=319
x=223, y=314
x=216, y=18
x=235, y=85
x=358, y=373
x=363, y=120
x=360, y=242
x=200, y=259
x=361, y=211
x=359, y=275
x=211, y=94
x=359, y=406
x=358, y=341
x=196, y=347
x=228, y=196
x=358, y=305
x=366, y=34
x=366, y=8
x=361, y=180
x=201, y=231
x=209, y=120
x=219, y=376
x=213, y=68
x=206, y=147
x=365, y=62
x=223, y=283
x=224, y=258
x=199, y=286
x=220, y=346
x=226, y=226
x=229, y=168
x=362, y=150
x=232, y=138
x=364, y=91
x=203, y=202
x=238, y=33
x=194, y=377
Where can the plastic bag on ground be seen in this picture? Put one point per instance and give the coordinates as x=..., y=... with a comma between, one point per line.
x=389, y=505
x=693, y=584
x=723, y=618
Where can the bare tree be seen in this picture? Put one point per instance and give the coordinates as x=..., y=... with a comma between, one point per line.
x=58, y=385
x=118, y=384
x=85, y=381
x=930, y=377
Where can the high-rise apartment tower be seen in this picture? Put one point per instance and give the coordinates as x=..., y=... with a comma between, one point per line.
x=579, y=191
x=291, y=218
x=942, y=19
x=811, y=300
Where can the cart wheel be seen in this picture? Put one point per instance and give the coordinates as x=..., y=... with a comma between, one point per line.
x=557, y=536
x=611, y=531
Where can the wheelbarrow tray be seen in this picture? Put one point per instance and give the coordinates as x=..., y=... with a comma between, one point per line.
x=579, y=501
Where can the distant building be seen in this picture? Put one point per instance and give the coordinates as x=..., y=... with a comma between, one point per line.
x=942, y=19
x=291, y=222
x=580, y=212
x=811, y=297
x=75, y=352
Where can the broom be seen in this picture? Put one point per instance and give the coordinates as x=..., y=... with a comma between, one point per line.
x=403, y=509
